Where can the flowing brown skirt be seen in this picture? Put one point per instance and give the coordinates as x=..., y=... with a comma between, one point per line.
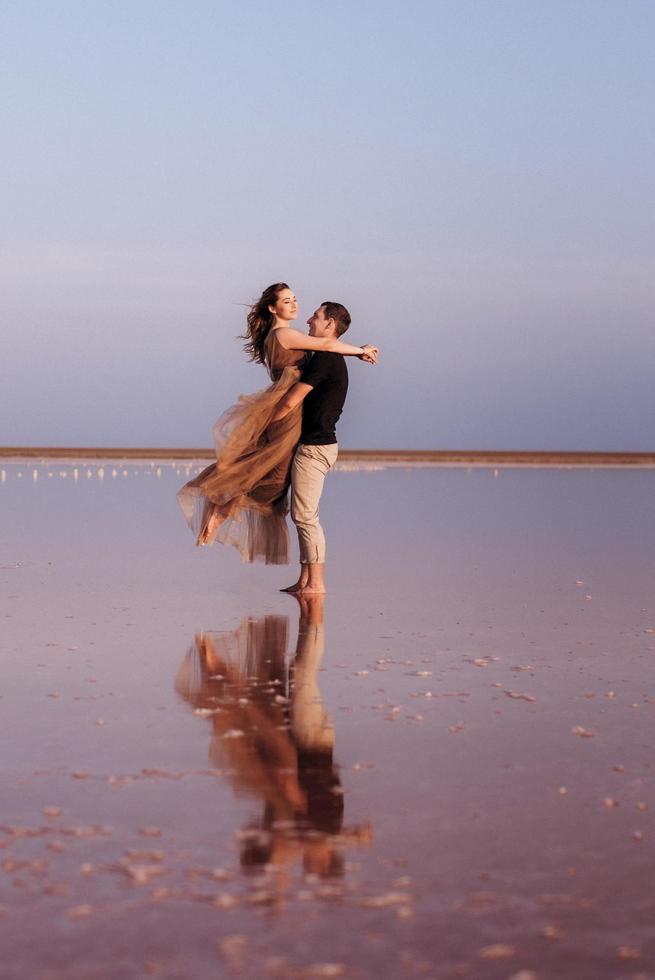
x=241, y=499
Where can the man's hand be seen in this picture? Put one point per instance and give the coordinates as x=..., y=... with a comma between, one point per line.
x=369, y=354
x=294, y=396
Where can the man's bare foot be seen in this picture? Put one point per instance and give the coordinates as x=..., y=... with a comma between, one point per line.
x=312, y=581
x=298, y=586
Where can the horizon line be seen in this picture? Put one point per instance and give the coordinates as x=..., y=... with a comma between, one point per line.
x=435, y=456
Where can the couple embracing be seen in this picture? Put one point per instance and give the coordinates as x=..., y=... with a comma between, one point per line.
x=278, y=438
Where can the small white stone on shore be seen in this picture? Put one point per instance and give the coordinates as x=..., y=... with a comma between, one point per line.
x=497, y=951
x=141, y=874
x=80, y=912
x=628, y=952
x=384, y=901
x=225, y=901
x=581, y=732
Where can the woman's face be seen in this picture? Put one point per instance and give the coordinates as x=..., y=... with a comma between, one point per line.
x=286, y=305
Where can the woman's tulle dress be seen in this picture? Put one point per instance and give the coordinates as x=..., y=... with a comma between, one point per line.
x=242, y=497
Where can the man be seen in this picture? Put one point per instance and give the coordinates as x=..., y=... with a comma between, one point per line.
x=322, y=390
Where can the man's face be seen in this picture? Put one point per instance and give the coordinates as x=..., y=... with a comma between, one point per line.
x=318, y=325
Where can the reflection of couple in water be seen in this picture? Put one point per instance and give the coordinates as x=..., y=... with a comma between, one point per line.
x=278, y=438
x=271, y=727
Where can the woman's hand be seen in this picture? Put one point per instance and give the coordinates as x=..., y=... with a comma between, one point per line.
x=369, y=354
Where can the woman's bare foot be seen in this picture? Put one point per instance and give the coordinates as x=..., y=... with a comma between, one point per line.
x=309, y=590
x=206, y=535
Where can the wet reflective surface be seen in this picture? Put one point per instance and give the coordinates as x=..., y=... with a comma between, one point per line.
x=442, y=770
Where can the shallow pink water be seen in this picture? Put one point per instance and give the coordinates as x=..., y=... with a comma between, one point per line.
x=452, y=777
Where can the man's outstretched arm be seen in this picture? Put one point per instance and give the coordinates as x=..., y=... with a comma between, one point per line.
x=293, y=397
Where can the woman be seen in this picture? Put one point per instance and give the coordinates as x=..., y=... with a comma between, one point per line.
x=241, y=499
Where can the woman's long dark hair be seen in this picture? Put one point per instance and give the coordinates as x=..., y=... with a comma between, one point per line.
x=260, y=320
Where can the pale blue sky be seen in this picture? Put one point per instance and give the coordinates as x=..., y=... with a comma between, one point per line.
x=472, y=178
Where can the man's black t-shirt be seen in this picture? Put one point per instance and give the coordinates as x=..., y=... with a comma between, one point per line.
x=328, y=375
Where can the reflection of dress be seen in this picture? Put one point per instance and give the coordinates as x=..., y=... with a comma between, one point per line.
x=244, y=493
x=239, y=678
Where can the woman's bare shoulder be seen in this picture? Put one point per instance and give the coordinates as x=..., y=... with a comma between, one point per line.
x=285, y=336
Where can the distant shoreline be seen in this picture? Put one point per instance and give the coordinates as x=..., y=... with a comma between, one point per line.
x=404, y=457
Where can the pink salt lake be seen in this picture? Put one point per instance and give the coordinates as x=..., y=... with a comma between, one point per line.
x=446, y=771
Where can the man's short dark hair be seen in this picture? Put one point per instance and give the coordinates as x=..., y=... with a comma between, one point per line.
x=338, y=313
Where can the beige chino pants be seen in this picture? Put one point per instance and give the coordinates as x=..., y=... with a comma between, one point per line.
x=308, y=471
